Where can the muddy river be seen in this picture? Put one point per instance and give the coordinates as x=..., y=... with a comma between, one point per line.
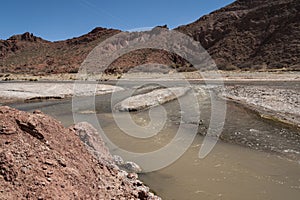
x=254, y=159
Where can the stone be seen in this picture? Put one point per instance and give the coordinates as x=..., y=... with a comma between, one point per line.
x=90, y=136
x=131, y=167
x=49, y=162
x=133, y=176
x=118, y=160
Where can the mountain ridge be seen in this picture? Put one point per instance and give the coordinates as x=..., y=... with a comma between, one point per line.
x=26, y=53
x=247, y=35
x=244, y=34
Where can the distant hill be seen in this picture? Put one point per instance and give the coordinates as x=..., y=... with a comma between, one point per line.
x=251, y=34
x=247, y=34
x=27, y=53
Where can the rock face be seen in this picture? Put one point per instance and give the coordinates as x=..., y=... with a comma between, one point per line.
x=40, y=159
x=94, y=143
x=251, y=34
x=96, y=146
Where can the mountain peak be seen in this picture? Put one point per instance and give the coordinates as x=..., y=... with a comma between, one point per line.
x=25, y=37
x=101, y=30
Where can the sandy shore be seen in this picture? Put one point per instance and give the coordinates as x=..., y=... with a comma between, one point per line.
x=209, y=75
x=28, y=91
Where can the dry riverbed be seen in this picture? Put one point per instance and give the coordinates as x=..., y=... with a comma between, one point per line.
x=272, y=103
x=213, y=75
x=28, y=91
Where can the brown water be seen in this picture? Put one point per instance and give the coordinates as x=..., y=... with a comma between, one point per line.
x=230, y=171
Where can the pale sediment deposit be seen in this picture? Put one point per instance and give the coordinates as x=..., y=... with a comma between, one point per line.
x=151, y=99
x=275, y=75
x=38, y=90
x=276, y=103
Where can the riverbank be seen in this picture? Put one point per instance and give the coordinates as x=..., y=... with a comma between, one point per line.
x=231, y=163
x=279, y=75
x=27, y=91
x=270, y=96
x=40, y=159
x=278, y=104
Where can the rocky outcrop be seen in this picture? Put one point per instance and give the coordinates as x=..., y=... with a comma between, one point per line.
x=252, y=34
x=96, y=146
x=93, y=141
x=40, y=159
x=29, y=37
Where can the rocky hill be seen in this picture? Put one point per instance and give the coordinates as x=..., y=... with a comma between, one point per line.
x=40, y=159
x=247, y=34
x=251, y=34
x=27, y=53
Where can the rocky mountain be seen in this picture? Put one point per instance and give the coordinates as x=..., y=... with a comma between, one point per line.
x=251, y=34
x=247, y=34
x=27, y=53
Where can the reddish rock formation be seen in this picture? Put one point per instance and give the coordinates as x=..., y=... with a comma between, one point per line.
x=251, y=34
x=256, y=34
x=27, y=53
x=40, y=159
x=165, y=60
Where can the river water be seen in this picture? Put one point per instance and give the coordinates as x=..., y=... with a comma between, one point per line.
x=256, y=159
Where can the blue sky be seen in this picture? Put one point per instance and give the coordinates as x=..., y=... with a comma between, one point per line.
x=61, y=19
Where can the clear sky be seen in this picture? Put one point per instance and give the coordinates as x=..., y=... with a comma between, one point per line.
x=61, y=19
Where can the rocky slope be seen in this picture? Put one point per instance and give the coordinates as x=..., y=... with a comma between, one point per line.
x=256, y=34
x=27, y=53
x=251, y=34
x=40, y=159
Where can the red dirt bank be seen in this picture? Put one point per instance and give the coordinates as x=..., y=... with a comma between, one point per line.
x=40, y=159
